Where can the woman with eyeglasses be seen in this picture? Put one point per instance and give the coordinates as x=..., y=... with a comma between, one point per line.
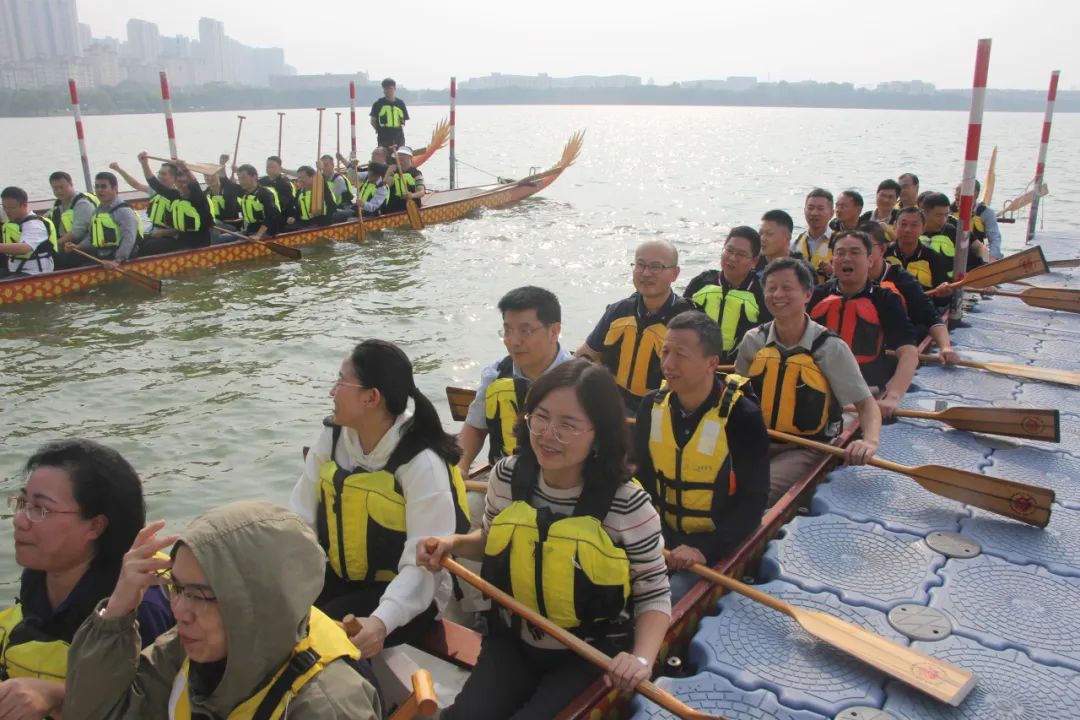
x=247, y=644
x=377, y=478
x=78, y=513
x=601, y=570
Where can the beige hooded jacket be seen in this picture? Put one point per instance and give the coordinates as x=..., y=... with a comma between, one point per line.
x=266, y=569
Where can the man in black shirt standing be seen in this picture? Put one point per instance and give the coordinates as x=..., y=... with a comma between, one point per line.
x=388, y=116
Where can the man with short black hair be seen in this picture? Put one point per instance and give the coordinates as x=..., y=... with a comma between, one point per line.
x=629, y=335
x=775, y=230
x=115, y=229
x=984, y=224
x=373, y=193
x=389, y=115
x=849, y=205
x=259, y=205
x=732, y=296
x=804, y=375
x=531, y=322
x=27, y=240
x=884, y=212
x=301, y=214
x=930, y=268
x=940, y=235
x=162, y=196
x=339, y=188
x=701, y=447
x=72, y=212
x=869, y=318
x=814, y=243
x=909, y=190
x=276, y=179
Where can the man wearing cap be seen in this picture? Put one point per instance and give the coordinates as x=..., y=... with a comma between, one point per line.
x=389, y=115
x=404, y=182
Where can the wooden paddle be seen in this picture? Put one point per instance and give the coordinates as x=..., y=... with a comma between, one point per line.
x=415, y=221
x=1064, y=263
x=319, y=188
x=134, y=276
x=1024, y=264
x=937, y=678
x=236, y=149
x=421, y=701
x=572, y=642
x=1028, y=372
x=202, y=168
x=1026, y=423
x=1043, y=297
x=479, y=486
x=361, y=231
x=1027, y=503
x=283, y=250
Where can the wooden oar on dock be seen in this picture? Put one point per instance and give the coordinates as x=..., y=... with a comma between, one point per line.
x=572, y=642
x=1027, y=503
x=1042, y=297
x=1028, y=372
x=1024, y=264
x=1028, y=423
x=283, y=250
x=203, y=168
x=144, y=281
x=1075, y=262
x=937, y=678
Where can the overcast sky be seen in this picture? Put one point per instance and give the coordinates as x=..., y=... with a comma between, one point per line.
x=824, y=40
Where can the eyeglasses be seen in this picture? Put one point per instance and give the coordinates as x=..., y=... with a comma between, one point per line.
x=654, y=268
x=195, y=594
x=34, y=513
x=734, y=252
x=341, y=382
x=563, y=432
x=525, y=332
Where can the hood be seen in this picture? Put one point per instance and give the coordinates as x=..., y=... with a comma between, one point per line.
x=266, y=569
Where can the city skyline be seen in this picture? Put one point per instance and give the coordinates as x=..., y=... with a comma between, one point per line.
x=772, y=40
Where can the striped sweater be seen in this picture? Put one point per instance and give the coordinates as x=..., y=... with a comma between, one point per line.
x=632, y=523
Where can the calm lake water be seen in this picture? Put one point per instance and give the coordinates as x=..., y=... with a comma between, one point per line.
x=212, y=389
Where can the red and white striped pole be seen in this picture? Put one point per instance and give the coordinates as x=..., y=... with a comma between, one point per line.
x=971, y=161
x=453, y=125
x=74, y=91
x=1040, y=167
x=170, y=129
x=352, y=120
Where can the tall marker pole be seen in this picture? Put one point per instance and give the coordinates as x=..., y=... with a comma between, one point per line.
x=338, y=133
x=1040, y=167
x=280, y=131
x=352, y=119
x=170, y=129
x=971, y=161
x=74, y=91
x=453, y=123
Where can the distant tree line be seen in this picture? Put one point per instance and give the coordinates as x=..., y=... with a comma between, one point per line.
x=130, y=97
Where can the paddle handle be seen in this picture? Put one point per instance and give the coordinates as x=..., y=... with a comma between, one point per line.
x=236, y=148
x=930, y=357
x=136, y=277
x=476, y=486
x=422, y=701
x=741, y=588
x=572, y=642
x=837, y=451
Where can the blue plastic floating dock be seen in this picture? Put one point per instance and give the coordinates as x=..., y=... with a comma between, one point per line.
x=1055, y=547
x=756, y=647
x=714, y=694
x=863, y=563
x=1057, y=471
x=1008, y=686
x=869, y=494
x=1002, y=605
x=965, y=383
x=912, y=444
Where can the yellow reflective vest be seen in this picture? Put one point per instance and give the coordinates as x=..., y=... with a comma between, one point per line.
x=104, y=232
x=63, y=220
x=43, y=658
x=160, y=210
x=11, y=233
x=568, y=569
x=503, y=400
x=735, y=310
x=822, y=254
x=325, y=643
x=361, y=516
x=794, y=393
x=689, y=477
x=252, y=208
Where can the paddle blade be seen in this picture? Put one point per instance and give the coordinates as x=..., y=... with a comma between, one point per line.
x=1053, y=298
x=1024, y=264
x=151, y=284
x=459, y=399
x=283, y=250
x=1014, y=422
x=937, y=678
x=415, y=221
x=1027, y=503
x=1034, y=372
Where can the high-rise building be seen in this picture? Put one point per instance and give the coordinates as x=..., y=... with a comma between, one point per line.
x=143, y=40
x=212, y=48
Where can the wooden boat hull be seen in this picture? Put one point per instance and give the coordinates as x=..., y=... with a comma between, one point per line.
x=438, y=207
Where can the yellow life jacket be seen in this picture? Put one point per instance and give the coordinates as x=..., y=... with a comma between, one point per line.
x=340, y=198
x=568, y=569
x=390, y=115
x=632, y=353
x=822, y=254
x=918, y=267
x=325, y=643
x=361, y=516
x=941, y=243
x=104, y=232
x=794, y=393
x=252, y=208
x=503, y=400
x=30, y=657
x=735, y=310
x=689, y=477
x=63, y=220
x=403, y=183
x=11, y=233
x=159, y=210
x=303, y=204
x=185, y=217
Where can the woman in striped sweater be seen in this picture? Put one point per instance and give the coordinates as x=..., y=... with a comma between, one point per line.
x=601, y=567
